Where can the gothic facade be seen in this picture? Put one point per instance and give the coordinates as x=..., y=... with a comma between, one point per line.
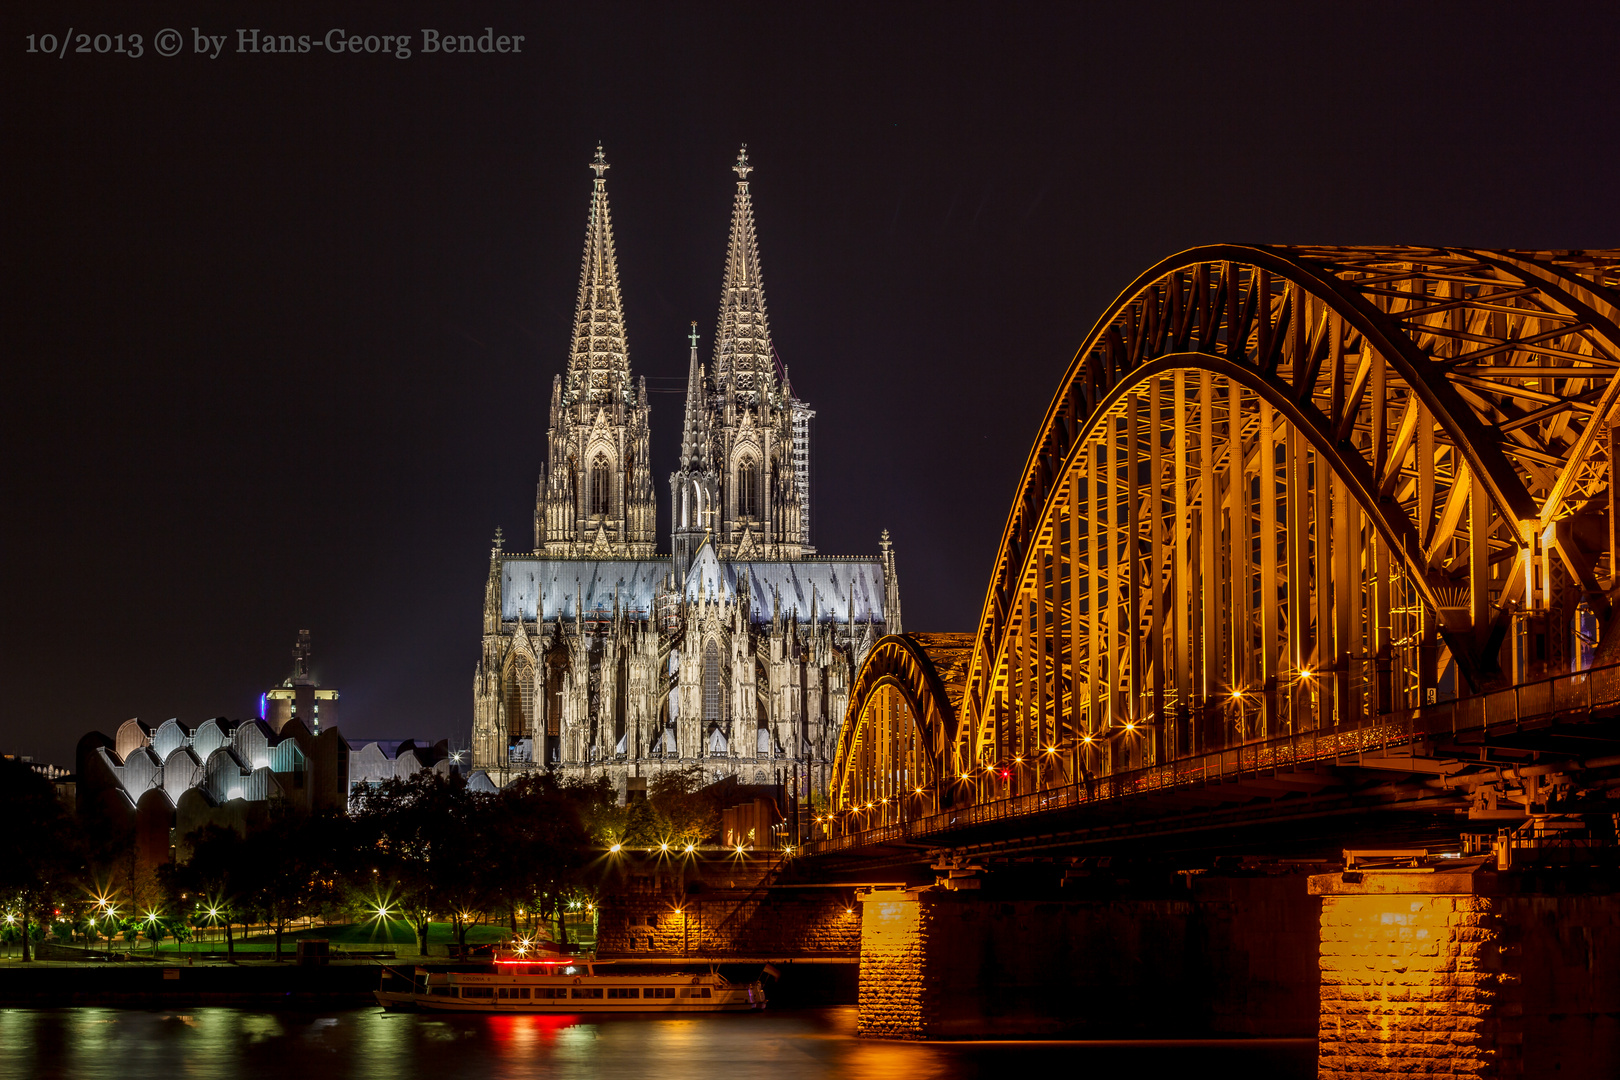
x=596, y=493
x=736, y=650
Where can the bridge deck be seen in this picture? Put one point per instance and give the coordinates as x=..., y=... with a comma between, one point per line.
x=1573, y=714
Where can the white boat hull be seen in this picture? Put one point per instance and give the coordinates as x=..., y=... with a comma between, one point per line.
x=465, y=992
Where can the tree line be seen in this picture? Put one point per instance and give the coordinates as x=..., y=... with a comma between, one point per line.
x=425, y=849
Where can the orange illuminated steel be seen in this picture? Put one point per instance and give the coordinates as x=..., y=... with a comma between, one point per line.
x=1280, y=490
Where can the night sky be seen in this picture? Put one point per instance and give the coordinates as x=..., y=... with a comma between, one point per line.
x=279, y=331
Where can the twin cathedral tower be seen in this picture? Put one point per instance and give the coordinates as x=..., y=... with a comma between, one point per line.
x=737, y=649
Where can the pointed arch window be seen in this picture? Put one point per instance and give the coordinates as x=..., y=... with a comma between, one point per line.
x=711, y=684
x=520, y=700
x=747, y=488
x=601, y=485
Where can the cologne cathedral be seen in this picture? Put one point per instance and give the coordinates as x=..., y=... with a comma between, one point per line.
x=736, y=650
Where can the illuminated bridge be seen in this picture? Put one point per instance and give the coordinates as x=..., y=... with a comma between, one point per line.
x=1292, y=705
x=1305, y=532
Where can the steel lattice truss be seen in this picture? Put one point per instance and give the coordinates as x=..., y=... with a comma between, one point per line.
x=1288, y=488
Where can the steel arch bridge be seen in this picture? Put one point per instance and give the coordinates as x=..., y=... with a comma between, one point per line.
x=1282, y=493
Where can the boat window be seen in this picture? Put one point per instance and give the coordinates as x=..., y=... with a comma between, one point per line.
x=702, y=991
x=587, y=992
x=477, y=991
x=659, y=992
x=442, y=991
x=623, y=992
x=523, y=993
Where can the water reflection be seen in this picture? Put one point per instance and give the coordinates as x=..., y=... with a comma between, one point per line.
x=242, y=1045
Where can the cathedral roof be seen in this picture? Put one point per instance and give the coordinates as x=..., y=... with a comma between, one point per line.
x=742, y=344
x=827, y=586
x=599, y=357
x=591, y=583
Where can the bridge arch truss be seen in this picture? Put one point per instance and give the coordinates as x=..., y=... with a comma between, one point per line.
x=1286, y=489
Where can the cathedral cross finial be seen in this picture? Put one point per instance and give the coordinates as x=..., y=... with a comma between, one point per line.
x=500, y=542
x=600, y=165
x=693, y=336
x=742, y=168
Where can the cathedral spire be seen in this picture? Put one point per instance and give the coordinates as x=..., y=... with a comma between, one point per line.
x=598, y=359
x=742, y=347
x=692, y=434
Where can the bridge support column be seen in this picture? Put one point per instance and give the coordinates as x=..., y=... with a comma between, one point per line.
x=1469, y=974
x=893, y=956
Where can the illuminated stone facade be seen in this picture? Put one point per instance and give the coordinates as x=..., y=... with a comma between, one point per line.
x=734, y=652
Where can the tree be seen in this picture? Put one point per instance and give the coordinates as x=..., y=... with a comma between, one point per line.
x=293, y=864
x=39, y=854
x=642, y=828
x=685, y=812
x=597, y=805
x=219, y=872
x=423, y=838
x=537, y=846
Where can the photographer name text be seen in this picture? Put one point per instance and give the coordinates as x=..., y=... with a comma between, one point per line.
x=255, y=42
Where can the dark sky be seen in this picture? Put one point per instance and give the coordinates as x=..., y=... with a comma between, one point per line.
x=279, y=331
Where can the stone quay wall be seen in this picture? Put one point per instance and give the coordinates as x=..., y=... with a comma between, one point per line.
x=1232, y=956
x=734, y=907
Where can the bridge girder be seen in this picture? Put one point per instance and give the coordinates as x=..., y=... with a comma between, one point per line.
x=1281, y=488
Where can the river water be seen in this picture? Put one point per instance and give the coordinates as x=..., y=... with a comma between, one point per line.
x=238, y=1044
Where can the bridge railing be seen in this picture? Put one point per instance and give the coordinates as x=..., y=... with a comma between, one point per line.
x=1376, y=736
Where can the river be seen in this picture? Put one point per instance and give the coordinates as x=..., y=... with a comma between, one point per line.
x=239, y=1044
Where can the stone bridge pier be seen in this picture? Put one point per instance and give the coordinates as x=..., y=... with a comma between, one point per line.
x=1469, y=973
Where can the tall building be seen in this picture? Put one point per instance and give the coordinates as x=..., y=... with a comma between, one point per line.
x=300, y=695
x=736, y=649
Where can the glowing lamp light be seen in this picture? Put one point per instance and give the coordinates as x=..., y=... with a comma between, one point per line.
x=690, y=848
x=1017, y=761
x=1236, y=694
x=1306, y=674
x=663, y=847
x=1130, y=725
x=1088, y=740
x=614, y=849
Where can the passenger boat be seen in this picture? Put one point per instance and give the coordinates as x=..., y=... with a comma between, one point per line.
x=563, y=984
